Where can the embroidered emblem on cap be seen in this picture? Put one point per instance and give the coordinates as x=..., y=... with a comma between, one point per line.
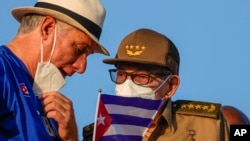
x=135, y=50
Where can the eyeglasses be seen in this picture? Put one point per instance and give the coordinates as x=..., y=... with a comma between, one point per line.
x=138, y=77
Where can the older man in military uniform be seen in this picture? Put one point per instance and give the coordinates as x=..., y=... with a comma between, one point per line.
x=147, y=65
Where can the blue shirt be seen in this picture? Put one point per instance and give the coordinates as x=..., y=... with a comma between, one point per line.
x=21, y=114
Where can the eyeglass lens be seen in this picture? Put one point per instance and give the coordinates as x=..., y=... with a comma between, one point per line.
x=138, y=77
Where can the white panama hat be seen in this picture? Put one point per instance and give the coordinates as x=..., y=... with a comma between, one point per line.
x=86, y=15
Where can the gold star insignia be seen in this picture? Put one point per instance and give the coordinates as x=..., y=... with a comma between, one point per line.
x=205, y=107
x=183, y=106
x=190, y=106
x=198, y=106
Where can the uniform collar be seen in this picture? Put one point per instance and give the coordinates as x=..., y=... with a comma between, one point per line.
x=168, y=116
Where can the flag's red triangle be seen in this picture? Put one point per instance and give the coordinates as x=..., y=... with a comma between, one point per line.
x=103, y=120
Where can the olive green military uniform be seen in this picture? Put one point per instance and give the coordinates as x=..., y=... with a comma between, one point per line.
x=191, y=121
x=185, y=121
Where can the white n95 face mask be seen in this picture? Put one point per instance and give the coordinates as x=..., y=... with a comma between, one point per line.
x=130, y=89
x=47, y=78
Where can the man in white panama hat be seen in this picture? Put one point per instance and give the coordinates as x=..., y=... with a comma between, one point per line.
x=53, y=41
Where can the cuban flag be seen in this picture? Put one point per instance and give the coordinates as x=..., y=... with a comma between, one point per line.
x=123, y=118
x=24, y=89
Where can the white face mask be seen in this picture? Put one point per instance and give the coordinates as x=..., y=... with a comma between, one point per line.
x=47, y=78
x=130, y=89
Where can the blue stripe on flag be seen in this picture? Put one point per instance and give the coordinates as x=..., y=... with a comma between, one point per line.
x=129, y=110
x=130, y=120
x=121, y=138
x=123, y=129
x=133, y=101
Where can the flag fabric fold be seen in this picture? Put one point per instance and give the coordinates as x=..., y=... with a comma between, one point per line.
x=123, y=118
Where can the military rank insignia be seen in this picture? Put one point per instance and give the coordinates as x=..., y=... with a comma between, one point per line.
x=134, y=50
x=199, y=108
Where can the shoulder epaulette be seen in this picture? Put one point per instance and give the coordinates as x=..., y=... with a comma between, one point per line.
x=88, y=132
x=198, y=108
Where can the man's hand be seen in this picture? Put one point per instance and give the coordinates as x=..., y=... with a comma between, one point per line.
x=60, y=108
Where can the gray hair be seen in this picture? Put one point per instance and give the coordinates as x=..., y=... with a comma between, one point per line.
x=31, y=21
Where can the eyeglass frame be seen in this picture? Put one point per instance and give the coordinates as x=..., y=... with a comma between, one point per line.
x=151, y=75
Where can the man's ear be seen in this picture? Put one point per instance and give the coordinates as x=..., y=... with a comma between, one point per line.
x=174, y=82
x=48, y=26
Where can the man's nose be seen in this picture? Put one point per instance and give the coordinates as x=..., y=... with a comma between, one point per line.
x=129, y=77
x=80, y=64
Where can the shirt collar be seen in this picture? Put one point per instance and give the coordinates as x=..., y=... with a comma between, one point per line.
x=167, y=115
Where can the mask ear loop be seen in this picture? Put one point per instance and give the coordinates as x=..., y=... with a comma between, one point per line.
x=53, y=47
x=41, y=50
x=54, y=44
x=162, y=83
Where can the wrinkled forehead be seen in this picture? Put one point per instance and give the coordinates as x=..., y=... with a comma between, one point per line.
x=137, y=66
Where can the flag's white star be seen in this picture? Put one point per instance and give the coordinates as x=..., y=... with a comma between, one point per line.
x=100, y=120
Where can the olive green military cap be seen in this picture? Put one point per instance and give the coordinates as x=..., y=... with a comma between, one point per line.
x=148, y=47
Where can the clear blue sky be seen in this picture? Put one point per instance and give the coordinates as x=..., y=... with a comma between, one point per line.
x=212, y=38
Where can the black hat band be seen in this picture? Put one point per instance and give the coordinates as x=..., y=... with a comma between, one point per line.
x=89, y=25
